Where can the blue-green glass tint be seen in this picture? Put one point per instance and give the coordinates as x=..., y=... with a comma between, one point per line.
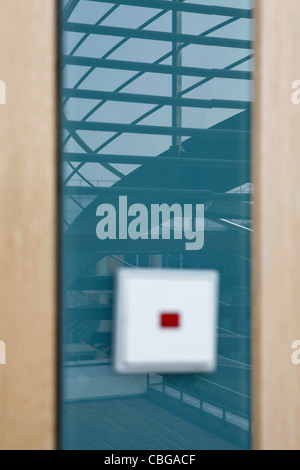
x=156, y=107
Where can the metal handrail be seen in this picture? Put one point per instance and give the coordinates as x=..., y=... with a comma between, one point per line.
x=185, y=7
x=156, y=35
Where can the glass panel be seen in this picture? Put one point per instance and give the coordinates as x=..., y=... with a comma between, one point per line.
x=155, y=107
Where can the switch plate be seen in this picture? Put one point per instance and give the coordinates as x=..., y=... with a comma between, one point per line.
x=165, y=320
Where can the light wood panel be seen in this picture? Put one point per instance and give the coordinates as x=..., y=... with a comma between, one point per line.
x=276, y=273
x=28, y=138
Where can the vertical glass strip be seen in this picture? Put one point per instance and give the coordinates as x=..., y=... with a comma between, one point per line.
x=155, y=107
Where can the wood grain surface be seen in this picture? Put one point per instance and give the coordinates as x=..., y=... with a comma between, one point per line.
x=276, y=273
x=28, y=193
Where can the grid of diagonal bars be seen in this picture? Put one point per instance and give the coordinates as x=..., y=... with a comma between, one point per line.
x=176, y=101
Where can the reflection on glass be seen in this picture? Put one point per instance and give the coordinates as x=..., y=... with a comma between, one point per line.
x=156, y=107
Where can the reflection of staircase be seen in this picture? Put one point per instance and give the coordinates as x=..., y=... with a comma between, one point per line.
x=210, y=167
x=217, y=401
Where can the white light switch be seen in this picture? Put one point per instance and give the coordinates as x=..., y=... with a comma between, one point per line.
x=165, y=321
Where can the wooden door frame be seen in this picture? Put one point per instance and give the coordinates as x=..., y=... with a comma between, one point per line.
x=28, y=233
x=28, y=230
x=276, y=247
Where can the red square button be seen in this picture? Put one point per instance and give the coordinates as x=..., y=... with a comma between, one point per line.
x=169, y=320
